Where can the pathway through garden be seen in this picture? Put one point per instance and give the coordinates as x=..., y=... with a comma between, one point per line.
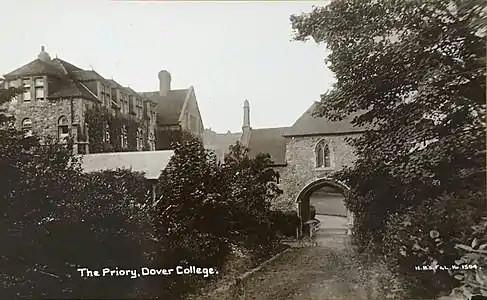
x=324, y=271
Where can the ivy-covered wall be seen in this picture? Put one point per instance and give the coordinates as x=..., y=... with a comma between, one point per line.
x=109, y=132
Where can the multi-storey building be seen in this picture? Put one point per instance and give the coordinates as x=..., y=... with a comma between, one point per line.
x=59, y=94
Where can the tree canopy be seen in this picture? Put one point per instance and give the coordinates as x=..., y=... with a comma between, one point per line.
x=414, y=72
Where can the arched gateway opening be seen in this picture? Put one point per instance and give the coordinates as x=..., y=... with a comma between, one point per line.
x=324, y=200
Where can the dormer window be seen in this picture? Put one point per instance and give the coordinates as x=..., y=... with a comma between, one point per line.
x=27, y=92
x=39, y=88
x=323, y=155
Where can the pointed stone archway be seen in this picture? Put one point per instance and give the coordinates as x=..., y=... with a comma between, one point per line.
x=304, y=205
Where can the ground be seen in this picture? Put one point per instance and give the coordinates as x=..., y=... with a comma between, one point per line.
x=317, y=272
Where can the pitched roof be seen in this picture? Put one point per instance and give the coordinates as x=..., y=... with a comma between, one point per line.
x=307, y=124
x=149, y=162
x=115, y=84
x=67, y=66
x=220, y=141
x=87, y=75
x=269, y=140
x=66, y=88
x=169, y=107
x=35, y=67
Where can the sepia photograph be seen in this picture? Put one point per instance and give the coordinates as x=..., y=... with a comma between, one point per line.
x=243, y=150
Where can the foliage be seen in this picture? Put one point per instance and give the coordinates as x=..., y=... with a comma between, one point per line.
x=473, y=274
x=413, y=239
x=413, y=74
x=205, y=209
x=252, y=185
x=168, y=138
x=106, y=131
x=285, y=222
x=56, y=219
x=189, y=215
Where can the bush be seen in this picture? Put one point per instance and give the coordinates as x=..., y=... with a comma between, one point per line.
x=190, y=215
x=285, y=222
x=473, y=274
x=411, y=244
x=251, y=187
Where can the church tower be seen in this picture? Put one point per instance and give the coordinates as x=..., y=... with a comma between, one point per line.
x=246, y=124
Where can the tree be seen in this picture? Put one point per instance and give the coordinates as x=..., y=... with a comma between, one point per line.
x=252, y=187
x=190, y=216
x=414, y=73
x=56, y=219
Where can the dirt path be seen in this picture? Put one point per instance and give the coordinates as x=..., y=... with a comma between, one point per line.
x=322, y=272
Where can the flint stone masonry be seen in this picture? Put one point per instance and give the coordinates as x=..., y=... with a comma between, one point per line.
x=301, y=171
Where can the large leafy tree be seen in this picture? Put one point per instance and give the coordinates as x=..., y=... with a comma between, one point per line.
x=414, y=73
x=190, y=216
x=252, y=185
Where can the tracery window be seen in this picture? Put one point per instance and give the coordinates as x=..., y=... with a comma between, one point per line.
x=323, y=155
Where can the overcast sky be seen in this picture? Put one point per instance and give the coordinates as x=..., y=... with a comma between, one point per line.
x=229, y=52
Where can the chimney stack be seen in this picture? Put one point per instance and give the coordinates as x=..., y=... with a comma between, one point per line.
x=43, y=55
x=164, y=82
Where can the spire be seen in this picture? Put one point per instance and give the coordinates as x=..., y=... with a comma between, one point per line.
x=246, y=118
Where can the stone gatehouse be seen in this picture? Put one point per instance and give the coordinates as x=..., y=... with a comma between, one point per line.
x=305, y=154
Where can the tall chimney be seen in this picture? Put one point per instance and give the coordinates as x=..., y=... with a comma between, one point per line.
x=164, y=82
x=43, y=55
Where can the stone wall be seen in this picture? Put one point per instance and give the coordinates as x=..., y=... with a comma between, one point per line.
x=45, y=114
x=300, y=170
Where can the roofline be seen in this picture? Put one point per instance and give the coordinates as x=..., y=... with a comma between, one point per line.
x=197, y=107
x=185, y=104
x=121, y=153
x=10, y=77
x=323, y=134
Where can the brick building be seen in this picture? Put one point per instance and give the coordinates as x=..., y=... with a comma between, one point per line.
x=58, y=95
x=304, y=154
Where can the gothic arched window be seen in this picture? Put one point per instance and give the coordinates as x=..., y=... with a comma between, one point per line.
x=323, y=155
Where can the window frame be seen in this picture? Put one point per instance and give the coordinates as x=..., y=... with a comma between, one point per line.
x=62, y=123
x=323, y=155
x=27, y=129
x=27, y=83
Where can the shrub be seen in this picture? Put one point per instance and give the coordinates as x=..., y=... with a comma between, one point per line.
x=413, y=239
x=472, y=272
x=190, y=216
x=251, y=187
x=285, y=222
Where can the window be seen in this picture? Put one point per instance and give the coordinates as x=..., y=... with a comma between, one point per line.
x=27, y=127
x=139, y=112
x=152, y=141
x=27, y=92
x=39, y=88
x=140, y=139
x=323, y=155
x=107, y=133
x=123, y=137
x=63, y=128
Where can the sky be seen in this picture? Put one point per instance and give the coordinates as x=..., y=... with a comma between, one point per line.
x=228, y=51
